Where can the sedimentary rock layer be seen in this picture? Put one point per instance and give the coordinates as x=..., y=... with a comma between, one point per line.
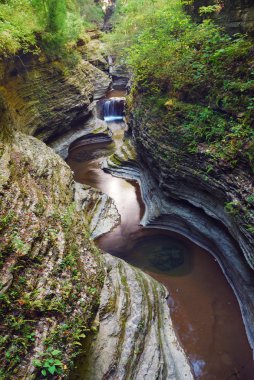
x=46, y=98
x=183, y=201
x=100, y=209
x=235, y=15
x=135, y=339
x=51, y=273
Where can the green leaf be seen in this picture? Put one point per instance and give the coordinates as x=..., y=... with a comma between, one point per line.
x=58, y=362
x=82, y=336
x=56, y=352
x=77, y=343
x=37, y=363
x=44, y=372
x=52, y=369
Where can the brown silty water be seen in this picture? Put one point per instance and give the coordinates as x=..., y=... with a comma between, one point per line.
x=203, y=307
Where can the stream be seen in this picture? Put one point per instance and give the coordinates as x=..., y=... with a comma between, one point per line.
x=202, y=304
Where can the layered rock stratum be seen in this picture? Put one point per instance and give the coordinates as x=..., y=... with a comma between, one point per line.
x=210, y=207
x=53, y=278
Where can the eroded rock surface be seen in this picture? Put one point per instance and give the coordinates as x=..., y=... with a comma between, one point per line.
x=135, y=338
x=62, y=144
x=101, y=211
x=46, y=99
x=184, y=200
x=51, y=273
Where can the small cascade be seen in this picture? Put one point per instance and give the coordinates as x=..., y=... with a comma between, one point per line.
x=113, y=109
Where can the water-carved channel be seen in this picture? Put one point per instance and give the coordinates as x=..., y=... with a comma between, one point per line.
x=203, y=306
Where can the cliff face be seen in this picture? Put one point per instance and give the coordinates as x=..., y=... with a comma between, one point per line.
x=239, y=15
x=52, y=275
x=222, y=191
x=235, y=15
x=46, y=99
x=210, y=204
x=50, y=271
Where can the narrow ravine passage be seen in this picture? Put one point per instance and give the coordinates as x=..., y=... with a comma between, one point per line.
x=203, y=307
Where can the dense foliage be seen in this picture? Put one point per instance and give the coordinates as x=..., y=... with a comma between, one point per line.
x=195, y=76
x=31, y=25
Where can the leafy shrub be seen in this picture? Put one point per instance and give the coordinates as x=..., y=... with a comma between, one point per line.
x=209, y=9
x=206, y=72
x=31, y=25
x=49, y=363
x=18, y=26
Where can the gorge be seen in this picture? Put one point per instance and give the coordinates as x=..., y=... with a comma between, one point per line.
x=163, y=182
x=174, y=261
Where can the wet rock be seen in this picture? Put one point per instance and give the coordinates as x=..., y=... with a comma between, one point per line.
x=101, y=83
x=135, y=338
x=88, y=140
x=181, y=199
x=119, y=74
x=93, y=125
x=100, y=209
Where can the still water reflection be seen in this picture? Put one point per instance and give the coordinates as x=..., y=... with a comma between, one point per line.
x=203, y=307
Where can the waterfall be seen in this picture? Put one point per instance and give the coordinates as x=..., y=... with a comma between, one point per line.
x=113, y=109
